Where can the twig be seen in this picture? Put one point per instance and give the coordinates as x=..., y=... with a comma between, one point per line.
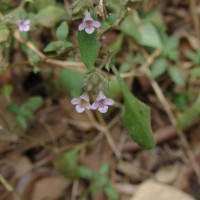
x=29, y=45
x=108, y=136
x=74, y=190
x=76, y=66
x=193, y=6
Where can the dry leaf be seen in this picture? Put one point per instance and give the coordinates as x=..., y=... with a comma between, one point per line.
x=150, y=190
x=167, y=174
x=50, y=188
x=22, y=165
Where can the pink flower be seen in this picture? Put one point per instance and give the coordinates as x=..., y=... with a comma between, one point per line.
x=23, y=25
x=89, y=24
x=81, y=103
x=102, y=103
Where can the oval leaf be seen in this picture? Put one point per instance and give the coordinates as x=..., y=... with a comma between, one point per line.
x=67, y=164
x=159, y=67
x=189, y=116
x=71, y=81
x=176, y=75
x=47, y=17
x=136, y=117
x=62, y=31
x=89, y=48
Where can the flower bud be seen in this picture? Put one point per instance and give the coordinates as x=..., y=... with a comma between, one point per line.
x=95, y=82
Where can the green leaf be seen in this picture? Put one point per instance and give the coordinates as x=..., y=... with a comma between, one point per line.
x=52, y=46
x=21, y=121
x=176, y=75
x=111, y=193
x=174, y=55
x=144, y=33
x=7, y=91
x=36, y=69
x=194, y=57
x=17, y=13
x=41, y=4
x=4, y=32
x=171, y=45
x=62, y=31
x=14, y=108
x=195, y=73
x=67, y=44
x=31, y=1
x=187, y=118
x=78, y=6
x=32, y=56
x=130, y=28
x=104, y=169
x=94, y=188
x=85, y=172
x=33, y=103
x=50, y=15
x=58, y=46
x=180, y=100
x=89, y=48
x=67, y=164
x=158, y=67
x=136, y=116
x=27, y=114
x=149, y=36
x=114, y=90
x=116, y=46
x=71, y=81
x=116, y=6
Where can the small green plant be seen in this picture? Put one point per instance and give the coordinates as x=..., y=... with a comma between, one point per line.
x=24, y=113
x=61, y=44
x=194, y=57
x=166, y=63
x=67, y=164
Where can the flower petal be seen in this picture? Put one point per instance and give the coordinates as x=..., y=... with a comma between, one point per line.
x=79, y=108
x=100, y=96
x=87, y=16
x=103, y=109
x=82, y=26
x=21, y=28
x=96, y=24
x=26, y=28
x=95, y=105
x=75, y=101
x=27, y=22
x=89, y=30
x=109, y=102
x=84, y=96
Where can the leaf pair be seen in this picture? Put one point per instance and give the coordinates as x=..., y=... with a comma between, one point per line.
x=24, y=112
x=61, y=44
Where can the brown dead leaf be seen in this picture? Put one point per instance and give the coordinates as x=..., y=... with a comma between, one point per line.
x=150, y=190
x=22, y=165
x=167, y=174
x=50, y=188
x=130, y=169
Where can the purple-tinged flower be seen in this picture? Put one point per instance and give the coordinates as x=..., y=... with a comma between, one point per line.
x=23, y=25
x=89, y=24
x=102, y=103
x=81, y=102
